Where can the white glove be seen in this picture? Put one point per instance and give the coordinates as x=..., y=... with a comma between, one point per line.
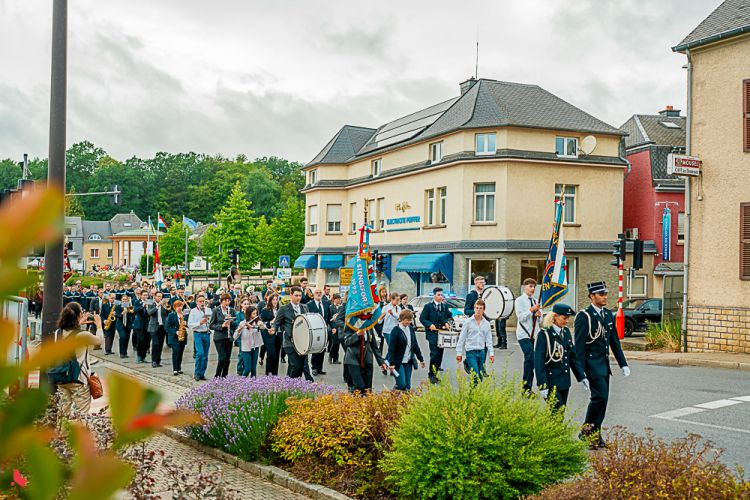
x=625, y=371
x=544, y=393
x=585, y=384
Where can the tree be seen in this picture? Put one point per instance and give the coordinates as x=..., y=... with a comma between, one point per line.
x=73, y=206
x=263, y=192
x=235, y=224
x=263, y=242
x=172, y=245
x=289, y=230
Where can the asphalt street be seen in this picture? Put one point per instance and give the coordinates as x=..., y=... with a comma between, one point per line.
x=672, y=400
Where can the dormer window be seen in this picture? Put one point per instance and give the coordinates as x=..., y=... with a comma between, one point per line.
x=95, y=237
x=566, y=147
x=127, y=224
x=436, y=152
x=313, y=177
x=377, y=167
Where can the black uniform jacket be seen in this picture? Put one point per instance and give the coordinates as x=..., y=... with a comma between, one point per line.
x=593, y=350
x=556, y=372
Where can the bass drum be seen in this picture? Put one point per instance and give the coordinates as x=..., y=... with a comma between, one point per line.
x=499, y=302
x=309, y=334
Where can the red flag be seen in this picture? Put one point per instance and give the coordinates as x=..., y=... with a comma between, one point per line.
x=157, y=262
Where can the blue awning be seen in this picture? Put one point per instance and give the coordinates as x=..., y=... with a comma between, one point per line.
x=309, y=261
x=331, y=261
x=350, y=262
x=427, y=263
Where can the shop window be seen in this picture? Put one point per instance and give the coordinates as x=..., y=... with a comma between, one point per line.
x=486, y=268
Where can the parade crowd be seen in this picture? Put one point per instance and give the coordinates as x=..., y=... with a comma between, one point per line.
x=148, y=317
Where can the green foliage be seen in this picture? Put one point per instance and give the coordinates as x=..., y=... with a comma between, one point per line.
x=484, y=441
x=263, y=242
x=289, y=230
x=235, y=223
x=664, y=336
x=73, y=206
x=146, y=265
x=172, y=245
x=647, y=467
x=86, y=281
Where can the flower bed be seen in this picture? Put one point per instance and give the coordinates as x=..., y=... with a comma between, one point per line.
x=240, y=412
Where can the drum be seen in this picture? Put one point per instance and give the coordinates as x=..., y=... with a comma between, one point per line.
x=447, y=339
x=309, y=334
x=499, y=301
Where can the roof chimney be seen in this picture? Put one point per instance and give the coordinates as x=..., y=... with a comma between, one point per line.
x=466, y=85
x=669, y=111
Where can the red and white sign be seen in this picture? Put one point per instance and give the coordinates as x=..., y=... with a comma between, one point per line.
x=684, y=165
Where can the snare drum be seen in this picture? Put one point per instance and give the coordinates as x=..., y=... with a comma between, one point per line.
x=499, y=301
x=309, y=334
x=447, y=339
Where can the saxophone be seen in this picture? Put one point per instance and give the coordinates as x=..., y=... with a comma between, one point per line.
x=182, y=329
x=110, y=318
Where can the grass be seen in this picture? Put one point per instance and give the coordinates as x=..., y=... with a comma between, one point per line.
x=665, y=336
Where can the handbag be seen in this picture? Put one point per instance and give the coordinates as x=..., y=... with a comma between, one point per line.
x=95, y=386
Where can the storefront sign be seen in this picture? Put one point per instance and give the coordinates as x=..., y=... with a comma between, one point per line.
x=684, y=165
x=345, y=276
x=403, y=223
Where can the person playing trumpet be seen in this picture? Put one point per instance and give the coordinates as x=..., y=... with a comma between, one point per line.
x=176, y=328
x=124, y=314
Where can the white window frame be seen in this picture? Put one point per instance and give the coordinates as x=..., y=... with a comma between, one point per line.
x=353, y=217
x=93, y=253
x=95, y=237
x=376, y=167
x=429, y=209
x=333, y=226
x=442, y=204
x=380, y=204
x=488, y=218
x=639, y=277
x=566, y=144
x=486, y=136
x=312, y=219
x=436, y=152
x=371, y=213
x=313, y=176
x=110, y=253
x=570, y=201
x=680, y=215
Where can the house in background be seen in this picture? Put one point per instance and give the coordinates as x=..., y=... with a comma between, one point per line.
x=97, y=243
x=648, y=192
x=74, y=240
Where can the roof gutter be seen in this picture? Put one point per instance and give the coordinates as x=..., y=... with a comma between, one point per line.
x=685, y=47
x=688, y=200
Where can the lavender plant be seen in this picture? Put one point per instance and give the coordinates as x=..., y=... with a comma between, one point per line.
x=240, y=412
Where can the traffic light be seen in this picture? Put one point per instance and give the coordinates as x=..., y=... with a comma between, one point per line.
x=619, y=253
x=115, y=198
x=385, y=266
x=637, y=254
x=234, y=255
x=375, y=260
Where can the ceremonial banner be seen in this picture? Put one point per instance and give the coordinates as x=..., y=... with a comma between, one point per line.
x=555, y=277
x=360, y=301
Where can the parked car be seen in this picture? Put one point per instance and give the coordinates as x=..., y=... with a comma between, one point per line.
x=640, y=312
x=456, y=305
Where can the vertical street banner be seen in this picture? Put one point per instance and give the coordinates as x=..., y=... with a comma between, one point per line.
x=666, y=235
x=555, y=277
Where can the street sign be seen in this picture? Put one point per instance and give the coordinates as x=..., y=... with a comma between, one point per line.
x=683, y=165
x=345, y=276
x=285, y=273
x=666, y=235
x=284, y=261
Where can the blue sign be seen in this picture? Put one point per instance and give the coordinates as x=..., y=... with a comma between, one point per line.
x=403, y=220
x=284, y=261
x=666, y=234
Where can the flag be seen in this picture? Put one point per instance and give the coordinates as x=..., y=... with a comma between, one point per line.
x=151, y=225
x=362, y=309
x=161, y=223
x=555, y=277
x=158, y=275
x=189, y=222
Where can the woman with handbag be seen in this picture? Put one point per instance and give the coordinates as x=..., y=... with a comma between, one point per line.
x=78, y=393
x=403, y=350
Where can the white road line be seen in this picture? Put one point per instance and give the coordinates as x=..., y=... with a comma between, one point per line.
x=719, y=403
x=680, y=412
x=743, y=398
x=713, y=426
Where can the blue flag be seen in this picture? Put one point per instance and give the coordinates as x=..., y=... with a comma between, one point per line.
x=360, y=300
x=189, y=222
x=555, y=277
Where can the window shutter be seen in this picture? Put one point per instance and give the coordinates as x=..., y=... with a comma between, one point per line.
x=746, y=115
x=745, y=241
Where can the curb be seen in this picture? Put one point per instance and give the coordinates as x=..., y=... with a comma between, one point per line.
x=266, y=472
x=668, y=359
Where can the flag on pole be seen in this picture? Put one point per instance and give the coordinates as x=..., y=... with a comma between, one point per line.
x=161, y=223
x=362, y=310
x=158, y=275
x=555, y=277
x=189, y=222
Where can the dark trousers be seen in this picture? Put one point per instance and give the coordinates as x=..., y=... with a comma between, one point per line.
x=502, y=333
x=561, y=397
x=109, y=339
x=436, y=355
x=124, y=339
x=224, y=350
x=297, y=365
x=333, y=346
x=262, y=355
x=316, y=361
x=528, y=363
x=361, y=378
x=157, y=344
x=141, y=343
x=272, y=343
x=598, y=402
x=178, y=349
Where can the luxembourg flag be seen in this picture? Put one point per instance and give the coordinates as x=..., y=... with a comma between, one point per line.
x=161, y=223
x=555, y=278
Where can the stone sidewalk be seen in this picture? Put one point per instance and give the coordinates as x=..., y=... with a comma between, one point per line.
x=706, y=359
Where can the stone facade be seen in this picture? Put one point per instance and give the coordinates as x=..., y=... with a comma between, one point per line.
x=714, y=328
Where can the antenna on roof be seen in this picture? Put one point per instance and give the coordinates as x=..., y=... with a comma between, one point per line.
x=476, y=67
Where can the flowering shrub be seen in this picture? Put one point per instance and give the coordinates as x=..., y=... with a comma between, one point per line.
x=239, y=412
x=338, y=439
x=485, y=441
x=648, y=467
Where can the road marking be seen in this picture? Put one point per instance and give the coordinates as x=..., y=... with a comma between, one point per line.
x=719, y=403
x=680, y=412
x=713, y=426
x=743, y=398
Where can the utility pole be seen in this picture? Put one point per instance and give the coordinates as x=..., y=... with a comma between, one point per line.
x=53, y=252
x=186, y=250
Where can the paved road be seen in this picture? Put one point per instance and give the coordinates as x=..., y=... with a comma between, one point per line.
x=660, y=397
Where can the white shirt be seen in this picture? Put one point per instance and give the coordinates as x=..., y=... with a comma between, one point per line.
x=407, y=351
x=390, y=317
x=475, y=337
x=296, y=309
x=194, y=320
x=526, y=321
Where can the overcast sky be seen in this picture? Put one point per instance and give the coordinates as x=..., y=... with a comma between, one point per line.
x=281, y=77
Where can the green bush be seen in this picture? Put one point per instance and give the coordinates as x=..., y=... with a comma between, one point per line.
x=86, y=281
x=647, y=467
x=486, y=441
x=667, y=336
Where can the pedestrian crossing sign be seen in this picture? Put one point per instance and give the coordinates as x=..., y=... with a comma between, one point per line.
x=284, y=261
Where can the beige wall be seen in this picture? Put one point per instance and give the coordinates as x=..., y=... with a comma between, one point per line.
x=103, y=260
x=717, y=138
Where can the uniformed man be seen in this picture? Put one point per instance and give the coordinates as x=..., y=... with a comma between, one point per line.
x=595, y=335
x=435, y=316
x=307, y=294
x=555, y=356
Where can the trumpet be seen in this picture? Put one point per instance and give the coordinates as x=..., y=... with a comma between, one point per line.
x=110, y=318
